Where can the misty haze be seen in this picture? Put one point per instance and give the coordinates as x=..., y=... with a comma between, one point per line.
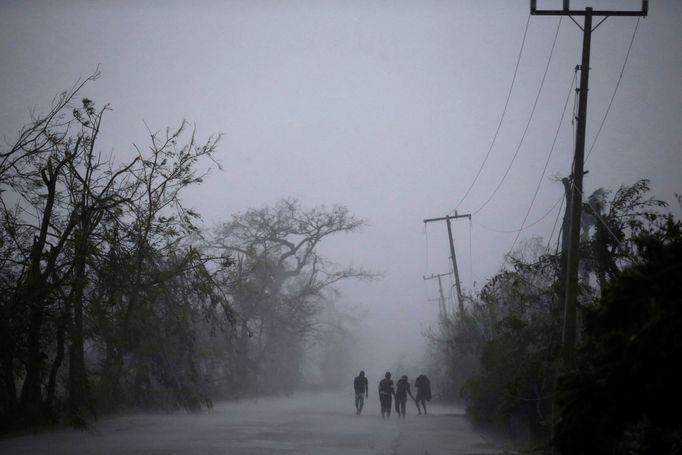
x=340, y=227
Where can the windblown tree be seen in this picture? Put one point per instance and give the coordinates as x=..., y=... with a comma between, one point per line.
x=280, y=284
x=94, y=254
x=612, y=226
x=157, y=281
x=59, y=191
x=94, y=191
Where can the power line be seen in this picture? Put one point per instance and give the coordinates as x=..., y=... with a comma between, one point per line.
x=615, y=90
x=514, y=231
x=601, y=126
x=558, y=238
x=549, y=156
x=530, y=117
x=558, y=215
x=504, y=111
x=570, y=320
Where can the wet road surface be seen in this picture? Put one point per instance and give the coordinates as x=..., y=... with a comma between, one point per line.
x=304, y=423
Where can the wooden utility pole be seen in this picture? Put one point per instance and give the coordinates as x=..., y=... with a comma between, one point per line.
x=443, y=309
x=571, y=292
x=447, y=219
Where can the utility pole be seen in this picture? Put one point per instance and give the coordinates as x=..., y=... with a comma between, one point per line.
x=443, y=310
x=447, y=219
x=571, y=292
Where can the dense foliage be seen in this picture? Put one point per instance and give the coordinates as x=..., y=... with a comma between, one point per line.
x=624, y=395
x=507, y=346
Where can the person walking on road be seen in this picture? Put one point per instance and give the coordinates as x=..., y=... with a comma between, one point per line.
x=402, y=389
x=386, y=393
x=361, y=391
x=423, y=386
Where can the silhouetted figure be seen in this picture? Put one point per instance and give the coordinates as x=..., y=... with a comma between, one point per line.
x=423, y=386
x=402, y=390
x=386, y=393
x=361, y=391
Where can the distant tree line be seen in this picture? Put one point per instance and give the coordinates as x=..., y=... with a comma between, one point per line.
x=620, y=395
x=112, y=294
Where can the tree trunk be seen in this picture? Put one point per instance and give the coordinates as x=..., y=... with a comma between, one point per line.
x=79, y=395
x=59, y=358
x=9, y=391
x=31, y=400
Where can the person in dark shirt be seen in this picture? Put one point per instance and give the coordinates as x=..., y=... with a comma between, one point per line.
x=402, y=390
x=361, y=391
x=423, y=386
x=386, y=393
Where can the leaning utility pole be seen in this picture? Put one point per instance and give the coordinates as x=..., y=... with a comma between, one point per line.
x=571, y=292
x=447, y=219
x=443, y=309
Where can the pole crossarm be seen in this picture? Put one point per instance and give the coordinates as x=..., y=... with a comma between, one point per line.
x=434, y=276
x=583, y=13
x=566, y=11
x=448, y=217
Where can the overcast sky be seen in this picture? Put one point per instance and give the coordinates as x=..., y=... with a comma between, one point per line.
x=387, y=107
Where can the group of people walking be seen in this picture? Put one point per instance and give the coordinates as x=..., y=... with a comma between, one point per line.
x=388, y=391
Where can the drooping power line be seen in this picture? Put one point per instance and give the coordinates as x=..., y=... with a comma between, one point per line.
x=528, y=226
x=549, y=155
x=504, y=111
x=615, y=90
x=530, y=118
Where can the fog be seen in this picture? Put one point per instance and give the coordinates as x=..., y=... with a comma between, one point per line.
x=386, y=108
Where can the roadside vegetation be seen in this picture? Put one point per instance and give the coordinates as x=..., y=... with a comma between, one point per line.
x=619, y=394
x=115, y=296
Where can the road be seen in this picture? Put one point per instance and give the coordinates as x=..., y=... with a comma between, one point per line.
x=304, y=423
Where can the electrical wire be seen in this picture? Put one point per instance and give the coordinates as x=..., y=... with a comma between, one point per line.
x=601, y=126
x=504, y=111
x=615, y=90
x=549, y=156
x=558, y=238
x=514, y=231
x=549, y=240
x=530, y=118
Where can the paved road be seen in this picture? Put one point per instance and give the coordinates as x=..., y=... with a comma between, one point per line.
x=305, y=423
